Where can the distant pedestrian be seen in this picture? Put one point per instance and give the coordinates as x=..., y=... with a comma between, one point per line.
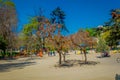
x=40, y=53
x=53, y=53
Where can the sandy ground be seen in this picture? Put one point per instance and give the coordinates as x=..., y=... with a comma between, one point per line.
x=44, y=68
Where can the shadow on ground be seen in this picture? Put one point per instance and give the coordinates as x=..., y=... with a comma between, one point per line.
x=72, y=63
x=11, y=65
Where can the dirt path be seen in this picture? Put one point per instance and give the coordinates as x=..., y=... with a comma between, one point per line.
x=44, y=69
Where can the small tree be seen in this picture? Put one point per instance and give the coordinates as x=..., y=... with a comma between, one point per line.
x=101, y=45
x=82, y=40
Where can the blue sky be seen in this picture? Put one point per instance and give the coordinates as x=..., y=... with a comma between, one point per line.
x=79, y=13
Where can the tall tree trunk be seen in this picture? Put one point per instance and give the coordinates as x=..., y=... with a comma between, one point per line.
x=84, y=51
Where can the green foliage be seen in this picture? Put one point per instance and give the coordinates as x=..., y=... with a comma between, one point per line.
x=31, y=26
x=105, y=35
x=58, y=16
x=32, y=35
x=101, y=45
x=7, y=3
x=8, y=54
x=112, y=29
x=3, y=43
x=92, y=31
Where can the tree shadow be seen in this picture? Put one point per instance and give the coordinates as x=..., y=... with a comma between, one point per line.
x=6, y=67
x=72, y=63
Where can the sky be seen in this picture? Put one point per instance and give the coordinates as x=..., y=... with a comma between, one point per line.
x=79, y=13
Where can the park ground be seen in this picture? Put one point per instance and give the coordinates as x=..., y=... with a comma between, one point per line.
x=45, y=68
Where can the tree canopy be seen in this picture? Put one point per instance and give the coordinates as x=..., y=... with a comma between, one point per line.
x=8, y=22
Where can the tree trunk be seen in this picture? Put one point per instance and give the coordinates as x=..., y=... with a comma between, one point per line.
x=60, y=57
x=84, y=51
x=11, y=56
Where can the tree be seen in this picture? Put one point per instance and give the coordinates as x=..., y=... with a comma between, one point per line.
x=57, y=19
x=113, y=27
x=92, y=31
x=28, y=31
x=66, y=46
x=8, y=22
x=40, y=28
x=101, y=45
x=46, y=30
x=82, y=40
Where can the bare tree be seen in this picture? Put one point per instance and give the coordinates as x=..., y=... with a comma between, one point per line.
x=82, y=40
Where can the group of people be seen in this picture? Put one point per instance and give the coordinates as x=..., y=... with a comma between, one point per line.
x=50, y=53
